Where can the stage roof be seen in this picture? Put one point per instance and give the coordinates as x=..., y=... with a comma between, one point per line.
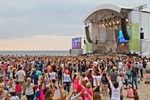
x=106, y=10
x=109, y=7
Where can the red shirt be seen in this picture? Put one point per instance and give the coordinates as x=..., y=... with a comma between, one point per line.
x=129, y=66
x=18, y=88
x=67, y=70
x=79, y=89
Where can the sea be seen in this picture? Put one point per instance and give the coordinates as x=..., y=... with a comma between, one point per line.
x=23, y=53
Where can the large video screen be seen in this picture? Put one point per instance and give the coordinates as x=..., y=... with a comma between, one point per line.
x=121, y=37
x=76, y=43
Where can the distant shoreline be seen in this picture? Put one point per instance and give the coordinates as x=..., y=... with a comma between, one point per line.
x=58, y=52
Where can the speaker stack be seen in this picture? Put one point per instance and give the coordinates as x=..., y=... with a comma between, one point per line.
x=142, y=35
x=124, y=29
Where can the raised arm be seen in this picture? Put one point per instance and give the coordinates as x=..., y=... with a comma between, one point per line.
x=71, y=94
x=96, y=84
x=61, y=92
x=111, y=85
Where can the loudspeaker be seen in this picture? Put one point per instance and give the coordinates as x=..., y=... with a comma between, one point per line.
x=84, y=41
x=88, y=34
x=96, y=42
x=124, y=29
x=141, y=35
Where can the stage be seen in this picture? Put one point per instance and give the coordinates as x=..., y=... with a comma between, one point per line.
x=112, y=29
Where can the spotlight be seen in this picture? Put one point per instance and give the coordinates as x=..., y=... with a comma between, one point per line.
x=113, y=22
x=103, y=25
x=110, y=24
x=127, y=20
x=122, y=44
x=117, y=22
x=116, y=27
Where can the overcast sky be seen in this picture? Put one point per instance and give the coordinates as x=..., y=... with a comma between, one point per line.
x=47, y=24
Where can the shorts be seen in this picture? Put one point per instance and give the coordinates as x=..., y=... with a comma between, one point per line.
x=18, y=94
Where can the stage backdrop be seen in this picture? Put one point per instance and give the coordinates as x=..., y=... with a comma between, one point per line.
x=76, y=43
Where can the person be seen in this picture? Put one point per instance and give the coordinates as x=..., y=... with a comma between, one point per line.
x=77, y=96
x=67, y=81
x=49, y=94
x=96, y=96
x=60, y=69
x=80, y=87
x=34, y=77
x=38, y=72
x=20, y=75
x=89, y=90
x=90, y=78
x=125, y=78
x=140, y=69
x=84, y=76
x=116, y=89
x=13, y=95
x=3, y=94
x=104, y=81
x=113, y=75
x=147, y=72
x=134, y=74
x=130, y=92
x=98, y=77
x=88, y=95
x=29, y=89
x=53, y=76
x=75, y=81
x=129, y=74
x=18, y=89
x=49, y=68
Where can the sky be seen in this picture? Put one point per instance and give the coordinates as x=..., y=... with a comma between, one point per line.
x=47, y=24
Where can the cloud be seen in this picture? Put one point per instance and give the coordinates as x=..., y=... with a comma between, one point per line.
x=37, y=42
x=23, y=18
x=44, y=24
x=33, y=18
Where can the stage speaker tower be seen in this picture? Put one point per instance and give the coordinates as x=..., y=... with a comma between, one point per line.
x=124, y=29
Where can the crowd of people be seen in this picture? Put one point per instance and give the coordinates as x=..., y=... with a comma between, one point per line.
x=72, y=77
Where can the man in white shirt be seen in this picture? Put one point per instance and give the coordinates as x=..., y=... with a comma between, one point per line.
x=20, y=75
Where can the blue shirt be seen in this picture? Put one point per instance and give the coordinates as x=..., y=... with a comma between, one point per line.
x=38, y=73
x=35, y=78
x=134, y=72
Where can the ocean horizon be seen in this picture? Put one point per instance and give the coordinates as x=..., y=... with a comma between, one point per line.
x=36, y=52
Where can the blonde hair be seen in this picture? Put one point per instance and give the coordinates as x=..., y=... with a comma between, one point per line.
x=88, y=85
x=2, y=85
x=120, y=74
x=27, y=84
